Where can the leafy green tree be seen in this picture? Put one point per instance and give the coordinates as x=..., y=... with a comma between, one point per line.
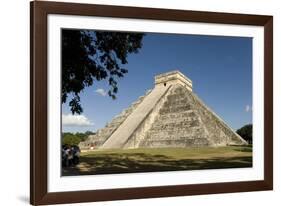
x=246, y=133
x=70, y=139
x=89, y=56
x=75, y=138
x=82, y=136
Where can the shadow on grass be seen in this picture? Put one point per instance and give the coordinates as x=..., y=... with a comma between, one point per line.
x=140, y=162
x=246, y=148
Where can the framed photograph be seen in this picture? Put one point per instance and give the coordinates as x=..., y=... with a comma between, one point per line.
x=131, y=102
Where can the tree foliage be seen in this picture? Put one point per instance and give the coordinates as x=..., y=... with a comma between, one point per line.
x=89, y=56
x=246, y=133
x=70, y=139
x=75, y=138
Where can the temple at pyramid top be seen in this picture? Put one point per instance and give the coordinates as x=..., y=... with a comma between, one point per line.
x=171, y=78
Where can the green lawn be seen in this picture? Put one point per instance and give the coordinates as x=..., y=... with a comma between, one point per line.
x=161, y=159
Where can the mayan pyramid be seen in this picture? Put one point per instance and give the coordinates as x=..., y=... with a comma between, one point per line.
x=169, y=115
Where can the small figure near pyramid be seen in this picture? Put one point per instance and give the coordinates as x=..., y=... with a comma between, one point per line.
x=169, y=115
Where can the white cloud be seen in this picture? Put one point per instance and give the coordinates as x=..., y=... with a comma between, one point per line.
x=75, y=120
x=248, y=108
x=101, y=92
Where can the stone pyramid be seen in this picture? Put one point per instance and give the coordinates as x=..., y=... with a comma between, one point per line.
x=170, y=115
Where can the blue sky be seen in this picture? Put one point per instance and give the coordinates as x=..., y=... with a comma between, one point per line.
x=220, y=68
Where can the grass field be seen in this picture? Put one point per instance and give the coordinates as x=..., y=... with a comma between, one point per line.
x=160, y=159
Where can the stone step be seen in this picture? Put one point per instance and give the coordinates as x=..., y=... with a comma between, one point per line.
x=188, y=142
x=177, y=120
x=185, y=114
x=175, y=133
x=175, y=124
x=169, y=105
x=175, y=109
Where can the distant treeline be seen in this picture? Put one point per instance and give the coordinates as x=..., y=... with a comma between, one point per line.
x=69, y=138
x=246, y=132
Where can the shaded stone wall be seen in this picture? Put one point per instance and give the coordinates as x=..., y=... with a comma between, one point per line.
x=220, y=133
x=184, y=121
